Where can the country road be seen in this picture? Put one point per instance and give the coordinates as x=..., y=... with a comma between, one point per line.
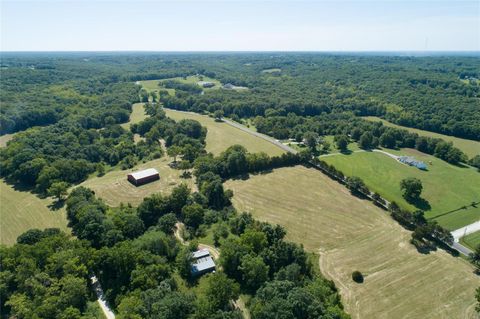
x=260, y=135
x=100, y=298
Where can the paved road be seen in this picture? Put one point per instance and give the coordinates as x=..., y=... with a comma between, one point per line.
x=462, y=249
x=260, y=135
x=100, y=298
x=459, y=233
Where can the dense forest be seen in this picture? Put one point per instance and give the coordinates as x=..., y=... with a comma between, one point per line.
x=437, y=93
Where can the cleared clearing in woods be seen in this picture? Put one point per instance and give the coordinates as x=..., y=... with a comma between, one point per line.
x=23, y=210
x=114, y=188
x=352, y=234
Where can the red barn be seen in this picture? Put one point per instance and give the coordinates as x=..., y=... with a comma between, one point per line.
x=143, y=177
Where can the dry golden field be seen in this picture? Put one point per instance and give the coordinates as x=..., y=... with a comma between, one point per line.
x=352, y=234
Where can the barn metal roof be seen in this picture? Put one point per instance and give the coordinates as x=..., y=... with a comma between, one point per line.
x=145, y=173
x=203, y=264
x=200, y=253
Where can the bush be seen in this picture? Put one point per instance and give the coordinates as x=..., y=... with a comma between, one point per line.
x=357, y=276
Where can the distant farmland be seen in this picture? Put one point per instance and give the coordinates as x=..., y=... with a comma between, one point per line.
x=446, y=187
x=352, y=234
x=221, y=135
x=21, y=211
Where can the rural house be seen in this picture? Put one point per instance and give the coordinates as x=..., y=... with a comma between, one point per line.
x=143, y=177
x=202, y=262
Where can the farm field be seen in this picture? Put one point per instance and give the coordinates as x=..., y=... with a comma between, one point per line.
x=446, y=187
x=21, y=211
x=114, y=188
x=221, y=135
x=471, y=240
x=469, y=147
x=352, y=234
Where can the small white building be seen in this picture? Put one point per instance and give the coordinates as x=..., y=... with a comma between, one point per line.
x=202, y=262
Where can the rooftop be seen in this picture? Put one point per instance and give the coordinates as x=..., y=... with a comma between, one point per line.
x=203, y=264
x=200, y=253
x=145, y=173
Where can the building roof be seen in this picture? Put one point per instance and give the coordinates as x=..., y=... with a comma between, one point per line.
x=200, y=253
x=145, y=173
x=203, y=264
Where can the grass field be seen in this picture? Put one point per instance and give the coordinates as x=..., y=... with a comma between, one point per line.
x=469, y=147
x=221, y=135
x=274, y=70
x=5, y=138
x=114, y=188
x=471, y=240
x=152, y=85
x=352, y=234
x=21, y=211
x=137, y=115
x=446, y=187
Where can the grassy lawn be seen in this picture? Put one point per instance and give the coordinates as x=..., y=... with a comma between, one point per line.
x=352, y=234
x=446, y=187
x=21, y=211
x=221, y=135
x=469, y=147
x=114, y=188
x=472, y=240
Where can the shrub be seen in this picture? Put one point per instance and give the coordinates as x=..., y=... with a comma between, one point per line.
x=357, y=276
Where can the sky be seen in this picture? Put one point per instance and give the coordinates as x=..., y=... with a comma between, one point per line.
x=239, y=25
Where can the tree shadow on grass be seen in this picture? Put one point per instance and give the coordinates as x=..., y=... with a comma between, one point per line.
x=56, y=205
x=242, y=177
x=420, y=203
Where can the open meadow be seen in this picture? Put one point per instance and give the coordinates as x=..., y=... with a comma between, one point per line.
x=114, y=188
x=446, y=187
x=22, y=210
x=137, y=115
x=153, y=85
x=472, y=240
x=469, y=147
x=353, y=234
x=221, y=135
x=5, y=138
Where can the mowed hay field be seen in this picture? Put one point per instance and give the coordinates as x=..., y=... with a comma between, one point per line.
x=469, y=147
x=114, y=188
x=352, y=234
x=21, y=211
x=221, y=135
x=446, y=187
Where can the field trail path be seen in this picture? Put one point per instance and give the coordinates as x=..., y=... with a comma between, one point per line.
x=213, y=251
